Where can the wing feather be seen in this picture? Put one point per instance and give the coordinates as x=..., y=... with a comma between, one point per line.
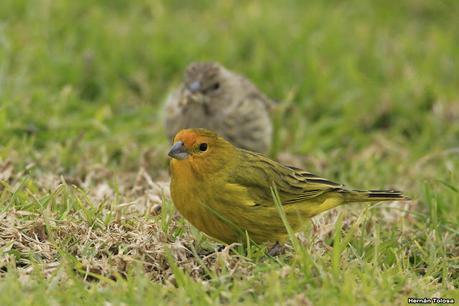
x=294, y=185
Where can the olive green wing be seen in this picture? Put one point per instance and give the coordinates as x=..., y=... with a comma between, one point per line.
x=259, y=173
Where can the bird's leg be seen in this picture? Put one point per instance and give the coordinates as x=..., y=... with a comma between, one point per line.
x=218, y=249
x=276, y=249
x=156, y=210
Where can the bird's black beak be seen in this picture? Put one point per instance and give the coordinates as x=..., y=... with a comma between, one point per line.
x=178, y=151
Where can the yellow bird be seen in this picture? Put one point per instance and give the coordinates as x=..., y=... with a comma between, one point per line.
x=225, y=191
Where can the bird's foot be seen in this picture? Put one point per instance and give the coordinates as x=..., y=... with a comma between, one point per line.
x=220, y=248
x=276, y=250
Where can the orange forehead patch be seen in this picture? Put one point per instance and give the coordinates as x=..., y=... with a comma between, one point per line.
x=190, y=136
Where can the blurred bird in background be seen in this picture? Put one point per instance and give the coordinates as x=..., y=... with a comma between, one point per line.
x=215, y=98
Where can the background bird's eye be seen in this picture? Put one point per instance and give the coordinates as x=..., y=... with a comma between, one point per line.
x=215, y=86
x=203, y=147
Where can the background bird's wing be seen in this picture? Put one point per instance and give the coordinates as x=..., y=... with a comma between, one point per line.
x=259, y=173
x=248, y=124
x=253, y=93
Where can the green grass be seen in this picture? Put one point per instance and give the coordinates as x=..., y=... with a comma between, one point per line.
x=370, y=92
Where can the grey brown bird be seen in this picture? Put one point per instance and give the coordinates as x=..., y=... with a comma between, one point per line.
x=215, y=98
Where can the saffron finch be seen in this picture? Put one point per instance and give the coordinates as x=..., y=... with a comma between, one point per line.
x=225, y=191
x=213, y=97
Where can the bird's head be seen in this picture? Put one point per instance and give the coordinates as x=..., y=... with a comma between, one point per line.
x=204, y=80
x=203, y=149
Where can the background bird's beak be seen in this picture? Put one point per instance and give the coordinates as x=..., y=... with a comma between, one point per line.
x=178, y=151
x=194, y=87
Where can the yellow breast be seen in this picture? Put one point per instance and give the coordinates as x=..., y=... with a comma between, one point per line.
x=196, y=203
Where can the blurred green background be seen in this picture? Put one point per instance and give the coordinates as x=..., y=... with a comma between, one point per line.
x=99, y=70
x=370, y=88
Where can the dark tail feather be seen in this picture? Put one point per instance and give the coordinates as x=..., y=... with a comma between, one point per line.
x=373, y=195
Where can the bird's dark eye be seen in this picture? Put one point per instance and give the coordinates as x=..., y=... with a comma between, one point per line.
x=215, y=86
x=203, y=147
